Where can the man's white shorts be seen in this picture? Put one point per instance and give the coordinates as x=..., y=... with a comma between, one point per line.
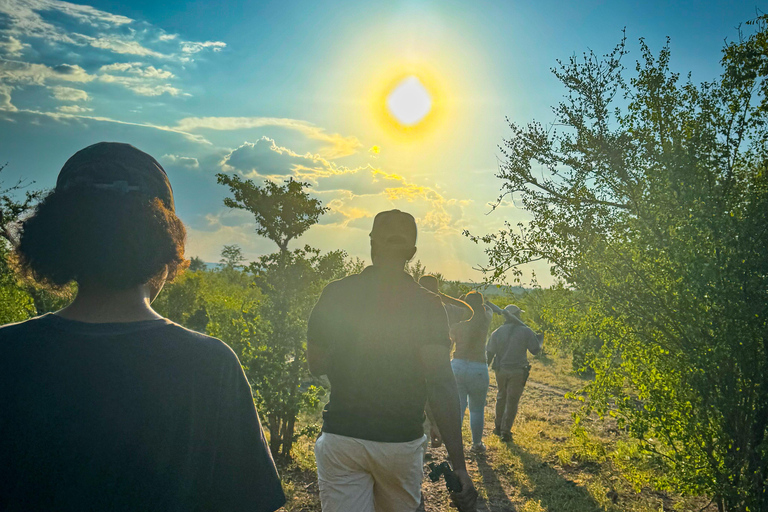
x=356, y=475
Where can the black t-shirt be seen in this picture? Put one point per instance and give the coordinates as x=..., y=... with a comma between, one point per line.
x=374, y=324
x=127, y=417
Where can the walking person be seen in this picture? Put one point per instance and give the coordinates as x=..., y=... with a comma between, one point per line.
x=507, y=352
x=470, y=367
x=106, y=405
x=456, y=309
x=383, y=342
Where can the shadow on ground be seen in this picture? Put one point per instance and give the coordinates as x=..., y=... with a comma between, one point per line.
x=542, y=483
x=497, y=501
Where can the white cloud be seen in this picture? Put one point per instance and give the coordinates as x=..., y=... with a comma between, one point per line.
x=69, y=94
x=263, y=158
x=121, y=46
x=101, y=119
x=139, y=79
x=137, y=68
x=193, y=47
x=73, y=109
x=338, y=145
x=5, y=98
x=61, y=22
x=184, y=161
x=24, y=18
x=11, y=47
x=16, y=72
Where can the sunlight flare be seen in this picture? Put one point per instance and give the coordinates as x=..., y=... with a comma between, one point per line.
x=409, y=102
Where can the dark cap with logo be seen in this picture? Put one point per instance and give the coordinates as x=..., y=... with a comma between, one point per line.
x=394, y=227
x=117, y=167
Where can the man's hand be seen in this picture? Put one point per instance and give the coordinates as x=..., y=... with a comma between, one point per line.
x=466, y=500
x=436, y=440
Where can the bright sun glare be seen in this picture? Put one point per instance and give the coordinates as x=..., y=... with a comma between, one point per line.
x=409, y=102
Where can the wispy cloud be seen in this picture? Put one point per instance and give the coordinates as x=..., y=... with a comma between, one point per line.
x=35, y=34
x=73, y=109
x=337, y=145
x=81, y=25
x=183, y=161
x=62, y=93
x=11, y=47
x=193, y=47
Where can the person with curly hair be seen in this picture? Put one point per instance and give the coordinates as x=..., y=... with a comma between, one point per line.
x=106, y=405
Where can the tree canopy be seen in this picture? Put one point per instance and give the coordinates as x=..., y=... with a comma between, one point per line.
x=649, y=196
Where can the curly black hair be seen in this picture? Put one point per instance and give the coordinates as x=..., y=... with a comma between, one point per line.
x=110, y=239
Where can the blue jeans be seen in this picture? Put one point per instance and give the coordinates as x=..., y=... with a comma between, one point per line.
x=472, y=380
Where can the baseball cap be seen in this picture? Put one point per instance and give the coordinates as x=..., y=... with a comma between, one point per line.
x=513, y=310
x=117, y=167
x=394, y=227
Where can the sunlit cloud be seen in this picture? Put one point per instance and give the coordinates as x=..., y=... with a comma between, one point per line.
x=73, y=109
x=183, y=161
x=338, y=145
x=193, y=47
x=264, y=158
x=137, y=68
x=11, y=47
x=5, y=99
x=62, y=93
x=16, y=72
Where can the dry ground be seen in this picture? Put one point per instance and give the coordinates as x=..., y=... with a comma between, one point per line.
x=550, y=466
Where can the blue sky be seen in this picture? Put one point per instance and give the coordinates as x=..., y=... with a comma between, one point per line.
x=277, y=89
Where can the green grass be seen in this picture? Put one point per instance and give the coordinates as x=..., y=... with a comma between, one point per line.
x=551, y=465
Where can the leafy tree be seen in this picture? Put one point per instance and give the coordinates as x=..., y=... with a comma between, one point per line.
x=282, y=212
x=222, y=304
x=232, y=257
x=416, y=269
x=655, y=211
x=290, y=282
x=196, y=263
x=19, y=300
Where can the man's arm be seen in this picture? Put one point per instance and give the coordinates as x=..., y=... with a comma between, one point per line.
x=496, y=309
x=535, y=342
x=444, y=403
x=490, y=350
x=447, y=299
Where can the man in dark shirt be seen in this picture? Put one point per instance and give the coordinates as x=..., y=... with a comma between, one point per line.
x=383, y=342
x=106, y=405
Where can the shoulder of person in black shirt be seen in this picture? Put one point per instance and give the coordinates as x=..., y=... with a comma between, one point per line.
x=365, y=333
x=128, y=416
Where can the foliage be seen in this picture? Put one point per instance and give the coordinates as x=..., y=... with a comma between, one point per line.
x=655, y=211
x=282, y=212
x=290, y=282
x=223, y=303
x=232, y=257
x=20, y=300
x=15, y=303
x=195, y=264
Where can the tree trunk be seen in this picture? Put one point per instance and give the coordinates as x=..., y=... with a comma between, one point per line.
x=288, y=436
x=274, y=435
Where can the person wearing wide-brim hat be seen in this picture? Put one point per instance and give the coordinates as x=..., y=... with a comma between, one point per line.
x=106, y=405
x=507, y=353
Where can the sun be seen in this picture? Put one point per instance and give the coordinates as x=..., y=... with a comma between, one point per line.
x=409, y=102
